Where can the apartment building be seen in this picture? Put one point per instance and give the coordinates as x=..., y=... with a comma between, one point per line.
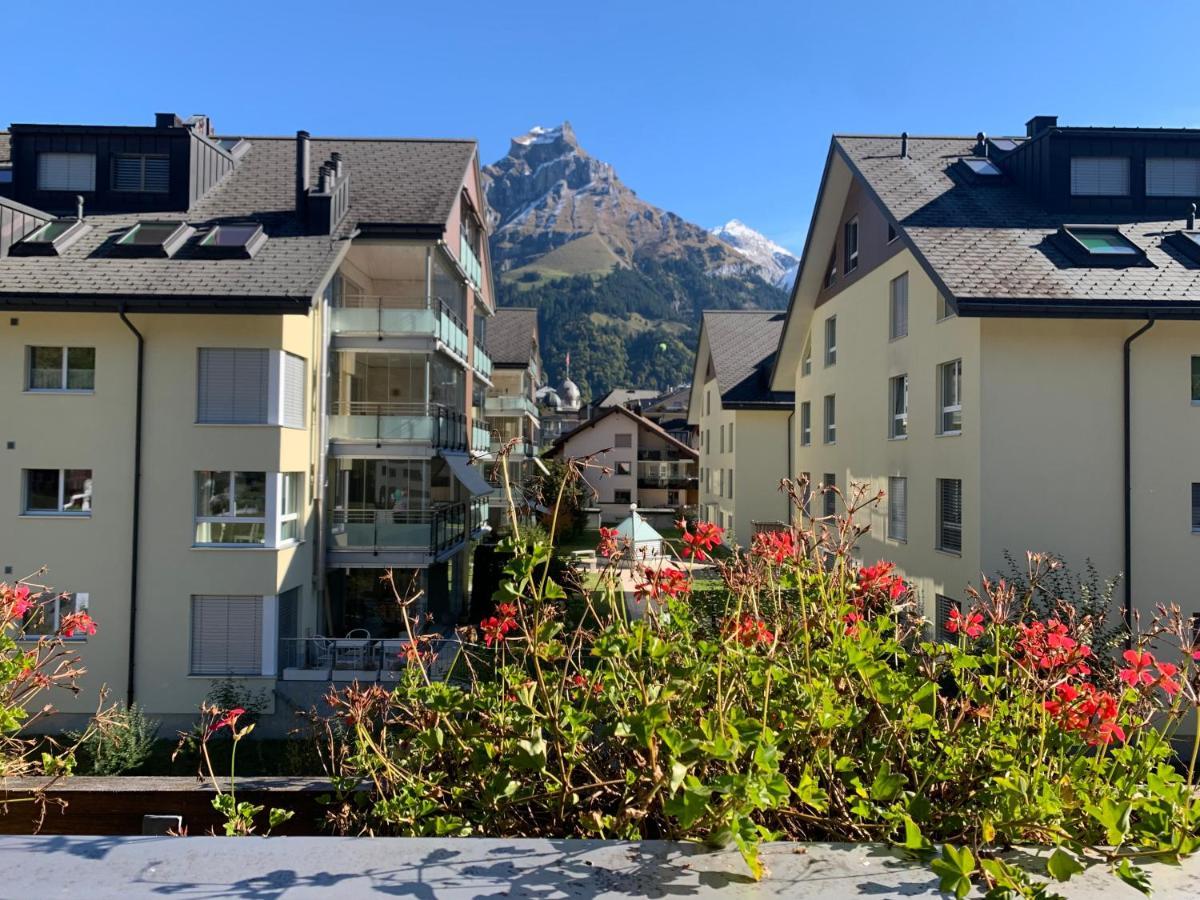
x=1001, y=334
x=670, y=412
x=510, y=404
x=741, y=423
x=632, y=462
x=241, y=377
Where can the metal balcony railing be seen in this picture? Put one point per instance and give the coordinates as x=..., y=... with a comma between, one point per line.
x=428, y=423
x=381, y=530
x=343, y=659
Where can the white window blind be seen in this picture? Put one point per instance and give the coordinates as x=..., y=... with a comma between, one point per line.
x=293, y=391
x=950, y=514
x=233, y=386
x=1099, y=176
x=831, y=341
x=226, y=635
x=805, y=423
x=898, y=509
x=898, y=305
x=830, y=419
x=139, y=172
x=1171, y=177
x=66, y=171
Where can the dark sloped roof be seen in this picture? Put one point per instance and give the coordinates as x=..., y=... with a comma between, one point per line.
x=743, y=345
x=619, y=396
x=512, y=336
x=601, y=414
x=993, y=243
x=392, y=182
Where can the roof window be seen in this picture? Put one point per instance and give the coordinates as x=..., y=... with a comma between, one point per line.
x=50, y=239
x=1004, y=145
x=234, y=241
x=982, y=167
x=1099, y=245
x=1187, y=243
x=154, y=239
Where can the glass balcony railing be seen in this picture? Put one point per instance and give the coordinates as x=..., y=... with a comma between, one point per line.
x=401, y=315
x=382, y=530
x=483, y=363
x=510, y=404
x=470, y=262
x=481, y=438
x=478, y=513
x=522, y=448
x=365, y=421
x=666, y=475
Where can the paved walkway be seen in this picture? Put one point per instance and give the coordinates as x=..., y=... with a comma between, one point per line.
x=432, y=869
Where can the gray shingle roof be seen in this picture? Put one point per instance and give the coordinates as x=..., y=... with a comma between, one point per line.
x=619, y=396
x=5, y=154
x=743, y=345
x=511, y=336
x=994, y=242
x=392, y=182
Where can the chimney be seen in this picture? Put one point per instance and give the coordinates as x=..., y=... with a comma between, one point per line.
x=1192, y=218
x=79, y=207
x=323, y=179
x=980, y=144
x=302, y=160
x=201, y=124
x=904, y=145
x=1040, y=124
x=166, y=120
x=335, y=160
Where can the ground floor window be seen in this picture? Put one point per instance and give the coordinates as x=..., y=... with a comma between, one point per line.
x=226, y=635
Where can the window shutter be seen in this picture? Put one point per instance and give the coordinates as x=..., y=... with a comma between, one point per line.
x=66, y=171
x=127, y=173
x=1171, y=177
x=1099, y=176
x=232, y=386
x=226, y=635
x=157, y=175
x=898, y=509
x=1196, y=506
x=293, y=391
x=899, y=306
x=942, y=614
x=950, y=514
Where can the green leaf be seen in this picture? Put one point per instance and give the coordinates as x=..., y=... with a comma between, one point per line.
x=532, y=752
x=1062, y=865
x=1134, y=876
x=678, y=773
x=913, y=839
x=278, y=816
x=1114, y=817
x=689, y=804
x=954, y=868
x=887, y=783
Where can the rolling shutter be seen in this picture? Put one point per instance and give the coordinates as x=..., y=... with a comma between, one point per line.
x=1170, y=177
x=1099, y=176
x=226, y=635
x=1196, y=506
x=66, y=171
x=899, y=306
x=942, y=613
x=898, y=509
x=232, y=386
x=293, y=391
x=950, y=514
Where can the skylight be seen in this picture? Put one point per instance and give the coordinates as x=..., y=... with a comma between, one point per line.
x=50, y=239
x=1004, y=144
x=1099, y=245
x=1186, y=242
x=237, y=240
x=160, y=239
x=983, y=167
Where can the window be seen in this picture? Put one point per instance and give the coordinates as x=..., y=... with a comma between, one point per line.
x=1098, y=245
x=897, y=522
x=290, y=498
x=892, y=234
x=981, y=168
x=235, y=387
x=46, y=616
x=234, y=241
x=805, y=423
x=944, y=309
x=1172, y=177
x=1196, y=380
x=831, y=272
x=831, y=341
x=624, y=439
x=231, y=508
x=730, y=437
x=898, y=420
x=898, y=307
x=729, y=478
x=152, y=239
x=806, y=357
x=829, y=498
x=1099, y=176
x=66, y=171
x=61, y=369
x=51, y=239
x=943, y=607
x=58, y=492
x=708, y=439
x=722, y=430
x=624, y=467
x=1195, y=507
x=851, y=245
x=950, y=393
x=141, y=172
x=622, y=497
x=830, y=419
x=720, y=482
x=708, y=402
x=949, y=515
x=226, y=635
x=806, y=494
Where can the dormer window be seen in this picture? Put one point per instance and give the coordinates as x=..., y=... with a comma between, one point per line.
x=66, y=171
x=851, y=245
x=141, y=173
x=1172, y=177
x=234, y=241
x=1099, y=245
x=1100, y=176
x=153, y=239
x=50, y=239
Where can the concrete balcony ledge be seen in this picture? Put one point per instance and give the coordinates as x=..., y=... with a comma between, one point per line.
x=451, y=869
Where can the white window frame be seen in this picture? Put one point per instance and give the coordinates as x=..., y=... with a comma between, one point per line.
x=291, y=489
x=850, y=252
x=64, y=370
x=898, y=421
x=949, y=408
x=898, y=307
x=273, y=516
x=829, y=419
x=943, y=311
x=84, y=184
x=805, y=423
x=806, y=357
x=268, y=638
x=275, y=387
x=897, y=520
x=942, y=525
x=51, y=606
x=84, y=512
x=831, y=341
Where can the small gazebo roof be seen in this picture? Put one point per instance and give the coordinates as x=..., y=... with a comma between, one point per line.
x=637, y=530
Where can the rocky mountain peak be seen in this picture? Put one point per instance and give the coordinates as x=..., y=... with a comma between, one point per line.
x=776, y=264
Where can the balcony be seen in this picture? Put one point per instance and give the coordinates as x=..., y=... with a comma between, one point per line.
x=510, y=405
x=483, y=363
x=406, y=537
x=422, y=423
x=395, y=316
x=521, y=449
x=671, y=475
x=362, y=659
x=470, y=263
x=481, y=437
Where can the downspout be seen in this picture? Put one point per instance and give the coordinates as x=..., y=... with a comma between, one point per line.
x=1129, y=484
x=790, y=464
x=137, y=523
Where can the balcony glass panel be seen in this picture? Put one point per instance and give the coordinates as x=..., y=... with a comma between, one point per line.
x=665, y=474
x=470, y=262
x=511, y=404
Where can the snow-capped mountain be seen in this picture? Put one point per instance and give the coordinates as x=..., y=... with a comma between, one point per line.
x=777, y=265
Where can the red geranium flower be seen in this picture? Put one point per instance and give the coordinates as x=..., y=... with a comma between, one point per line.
x=18, y=599
x=970, y=625
x=697, y=543
x=775, y=546
x=230, y=720
x=77, y=621
x=608, y=545
x=1138, y=673
x=664, y=582
x=750, y=631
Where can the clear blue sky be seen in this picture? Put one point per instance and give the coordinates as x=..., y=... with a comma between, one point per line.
x=712, y=110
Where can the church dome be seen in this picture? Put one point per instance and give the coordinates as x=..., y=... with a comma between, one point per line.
x=570, y=393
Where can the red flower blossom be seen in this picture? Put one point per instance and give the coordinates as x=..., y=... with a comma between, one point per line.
x=970, y=625
x=230, y=720
x=1166, y=678
x=1048, y=646
x=18, y=600
x=664, y=582
x=880, y=581
x=852, y=619
x=749, y=631
x=1138, y=674
x=1107, y=732
x=696, y=544
x=494, y=629
x=609, y=545
x=774, y=546
x=77, y=621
